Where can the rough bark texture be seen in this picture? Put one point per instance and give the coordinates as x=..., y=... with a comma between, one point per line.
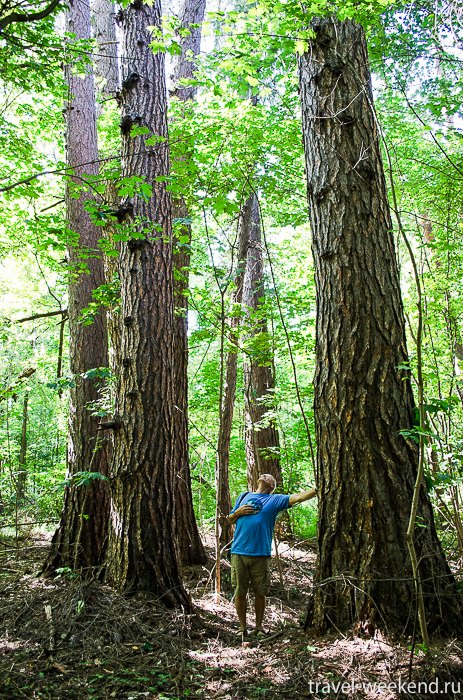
x=104, y=31
x=365, y=469
x=142, y=552
x=189, y=541
x=112, y=275
x=190, y=12
x=78, y=541
x=108, y=83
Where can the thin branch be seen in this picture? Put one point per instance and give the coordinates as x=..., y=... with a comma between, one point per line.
x=32, y=17
x=35, y=316
x=443, y=151
x=288, y=341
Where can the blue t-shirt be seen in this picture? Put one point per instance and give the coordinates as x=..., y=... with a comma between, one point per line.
x=253, y=534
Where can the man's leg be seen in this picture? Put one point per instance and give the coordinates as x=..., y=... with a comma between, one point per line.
x=259, y=606
x=240, y=582
x=260, y=579
x=241, y=605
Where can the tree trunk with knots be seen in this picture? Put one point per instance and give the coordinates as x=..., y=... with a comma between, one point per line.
x=366, y=469
x=189, y=541
x=142, y=552
x=78, y=541
x=112, y=279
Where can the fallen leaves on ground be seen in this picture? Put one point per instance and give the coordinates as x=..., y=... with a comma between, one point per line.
x=97, y=644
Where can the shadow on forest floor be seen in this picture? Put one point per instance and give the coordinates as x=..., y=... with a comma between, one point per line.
x=80, y=641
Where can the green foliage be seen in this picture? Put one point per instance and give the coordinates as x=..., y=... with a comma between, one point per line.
x=243, y=135
x=81, y=479
x=65, y=572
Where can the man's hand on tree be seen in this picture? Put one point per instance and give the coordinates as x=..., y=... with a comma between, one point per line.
x=302, y=496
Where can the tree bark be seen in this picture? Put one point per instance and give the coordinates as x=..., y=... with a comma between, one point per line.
x=78, y=541
x=229, y=387
x=261, y=437
x=262, y=443
x=189, y=541
x=190, y=12
x=22, y=463
x=142, y=552
x=108, y=84
x=112, y=276
x=104, y=30
x=365, y=469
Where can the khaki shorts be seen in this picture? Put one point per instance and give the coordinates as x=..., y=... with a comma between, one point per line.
x=254, y=569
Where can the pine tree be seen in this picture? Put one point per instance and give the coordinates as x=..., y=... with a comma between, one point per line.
x=142, y=552
x=366, y=468
x=191, y=548
x=78, y=541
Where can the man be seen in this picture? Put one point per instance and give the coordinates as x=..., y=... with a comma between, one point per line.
x=255, y=515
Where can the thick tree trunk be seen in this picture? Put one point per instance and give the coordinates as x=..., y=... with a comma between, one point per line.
x=142, y=552
x=366, y=469
x=189, y=541
x=22, y=470
x=104, y=30
x=79, y=539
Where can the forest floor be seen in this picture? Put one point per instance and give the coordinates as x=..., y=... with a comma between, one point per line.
x=66, y=638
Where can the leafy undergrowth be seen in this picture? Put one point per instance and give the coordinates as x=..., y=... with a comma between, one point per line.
x=66, y=638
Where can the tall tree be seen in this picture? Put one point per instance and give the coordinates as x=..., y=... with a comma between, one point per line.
x=262, y=443
x=189, y=541
x=108, y=85
x=104, y=30
x=366, y=469
x=79, y=538
x=142, y=552
x=261, y=437
x=227, y=396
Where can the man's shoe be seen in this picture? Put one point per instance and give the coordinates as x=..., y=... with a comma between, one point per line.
x=259, y=634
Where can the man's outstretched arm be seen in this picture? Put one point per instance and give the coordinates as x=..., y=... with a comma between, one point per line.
x=302, y=496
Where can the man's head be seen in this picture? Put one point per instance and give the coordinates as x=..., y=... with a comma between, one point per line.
x=267, y=483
